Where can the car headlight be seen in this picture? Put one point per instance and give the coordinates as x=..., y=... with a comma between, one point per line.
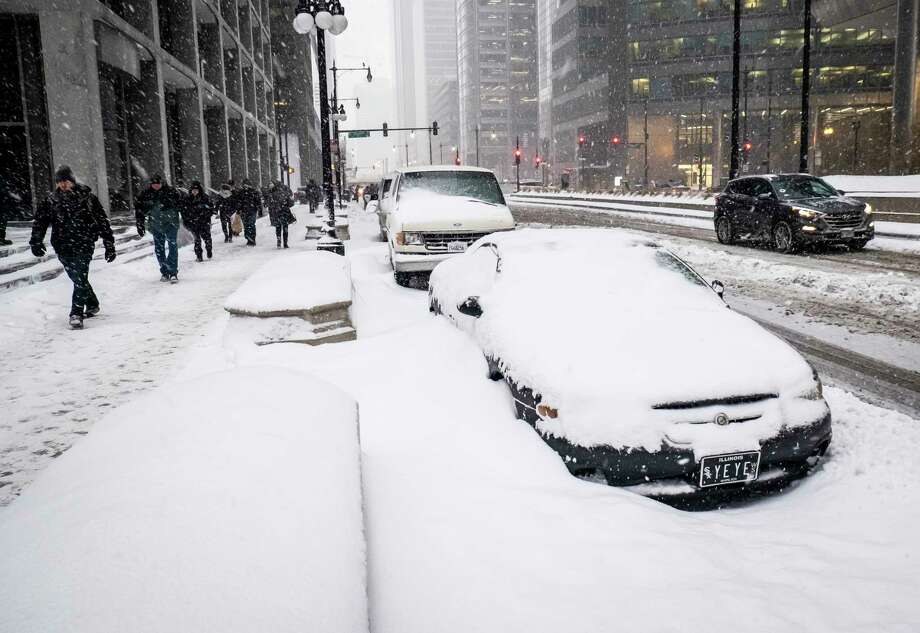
x=868, y=210
x=410, y=239
x=547, y=412
x=808, y=214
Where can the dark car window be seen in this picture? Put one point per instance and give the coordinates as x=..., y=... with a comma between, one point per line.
x=672, y=263
x=386, y=185
x=479, y=185
x=759, y=186
x=742, y=187
x=802, y=187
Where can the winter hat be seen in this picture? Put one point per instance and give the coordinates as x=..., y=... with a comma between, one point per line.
x=196, y=185
x=156, y=180
x=63, y=173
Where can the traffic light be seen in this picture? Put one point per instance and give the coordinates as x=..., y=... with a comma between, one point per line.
x=582, y=140
x=517, y=156
x=386, y=129
x=615, y=139
x=434, y=128
x=291, y=170
x=747, y=147
x=457, y=160
x=537, y=161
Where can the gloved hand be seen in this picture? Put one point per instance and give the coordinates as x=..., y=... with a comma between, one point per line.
x=140, y=231
x=110, y=253
x=38, y=250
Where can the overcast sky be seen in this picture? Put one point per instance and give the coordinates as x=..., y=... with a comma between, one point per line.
x=368, y=39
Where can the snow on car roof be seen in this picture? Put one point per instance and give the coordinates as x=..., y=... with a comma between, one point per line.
x=403, y=170
x=606, y=326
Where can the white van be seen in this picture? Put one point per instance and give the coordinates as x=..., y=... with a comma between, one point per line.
x=435, y=212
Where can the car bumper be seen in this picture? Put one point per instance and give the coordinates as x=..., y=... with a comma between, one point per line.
x=417, y=262
x=672, y=474
x=820, y=235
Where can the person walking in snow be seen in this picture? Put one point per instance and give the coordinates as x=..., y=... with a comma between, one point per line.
x=248, y=202
x=77, y=220
x=158, y=209
x=224, y=205
x=280, y=200
x=314, y=195
x=7, y=202
x=197, y=216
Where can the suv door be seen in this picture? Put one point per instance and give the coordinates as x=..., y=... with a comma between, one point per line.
x=740, y=202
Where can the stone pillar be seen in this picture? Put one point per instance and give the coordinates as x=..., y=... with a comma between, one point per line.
x=72, y=88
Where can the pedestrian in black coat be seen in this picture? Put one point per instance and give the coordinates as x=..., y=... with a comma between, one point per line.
x=248, y=202
x=7, y=202
x=159, y=209
x=280, y=200
x=197, y=215
x=225, y=207
x=314, y=195
x=77, y=220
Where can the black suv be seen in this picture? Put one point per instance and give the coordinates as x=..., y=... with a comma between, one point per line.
x=790, y=211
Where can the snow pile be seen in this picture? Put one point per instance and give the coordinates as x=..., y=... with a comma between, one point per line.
x=292, y=285
x=229, y=503
x=606, y=327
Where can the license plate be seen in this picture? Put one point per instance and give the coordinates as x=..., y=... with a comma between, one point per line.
x=846, y=233
x=456, y=247
x=731, y=468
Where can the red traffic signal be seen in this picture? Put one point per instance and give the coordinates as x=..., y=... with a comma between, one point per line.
x=457, y=160
x=517, y=157
x=748, y=146
x=581, y=139
x=537, y=161
x=616, y=140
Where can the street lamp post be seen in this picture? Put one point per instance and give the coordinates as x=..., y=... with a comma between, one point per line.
x=322, y=16
x=340, y=116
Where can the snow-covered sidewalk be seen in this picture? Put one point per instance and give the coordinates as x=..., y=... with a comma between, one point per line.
x=56, y=383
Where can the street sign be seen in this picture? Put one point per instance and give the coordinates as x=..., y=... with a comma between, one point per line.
x=359, y=134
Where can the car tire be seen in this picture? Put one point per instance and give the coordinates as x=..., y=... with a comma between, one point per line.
x=725, y=232
x=402, y=279
x=784, y=240
x=494, y=372
x=857, y=245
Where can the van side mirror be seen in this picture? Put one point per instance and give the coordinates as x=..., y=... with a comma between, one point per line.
x=374, y=196
x=471, y=307
x=718, y=287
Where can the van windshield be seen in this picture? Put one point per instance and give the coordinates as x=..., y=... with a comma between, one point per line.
x=478, y=185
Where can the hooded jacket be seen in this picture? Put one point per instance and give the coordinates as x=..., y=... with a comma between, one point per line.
x=198, y=209
x=77, y=220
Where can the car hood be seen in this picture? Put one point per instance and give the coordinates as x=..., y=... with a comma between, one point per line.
x=446, y=213
x=831, y=206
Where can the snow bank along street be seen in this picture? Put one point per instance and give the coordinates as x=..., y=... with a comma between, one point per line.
x=471, y=522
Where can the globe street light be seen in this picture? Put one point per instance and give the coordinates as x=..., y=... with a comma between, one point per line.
x=318, y=16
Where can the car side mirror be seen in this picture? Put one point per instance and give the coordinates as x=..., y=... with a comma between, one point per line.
x=471, y=307
x=374, y=196
x=718, y=287
x=765, y=196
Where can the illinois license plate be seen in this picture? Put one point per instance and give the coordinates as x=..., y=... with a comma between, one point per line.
x=456, y=247
x=731, y=468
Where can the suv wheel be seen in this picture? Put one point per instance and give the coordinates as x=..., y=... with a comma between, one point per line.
x=857, y=245
x=784, y=239
x=725, y=232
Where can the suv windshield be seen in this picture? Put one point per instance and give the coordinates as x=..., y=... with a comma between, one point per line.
x=801, y=187
x=478, y=185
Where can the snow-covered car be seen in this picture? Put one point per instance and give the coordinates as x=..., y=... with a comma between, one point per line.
x=437, y=212
x=632, y=367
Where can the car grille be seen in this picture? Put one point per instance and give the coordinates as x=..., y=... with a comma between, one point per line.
x=437, y=242
x=844, y=221
x=711, y=402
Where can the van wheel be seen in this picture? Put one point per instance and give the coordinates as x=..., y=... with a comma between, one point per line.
x=402, y=279
x=784, y=239
x=725, y=232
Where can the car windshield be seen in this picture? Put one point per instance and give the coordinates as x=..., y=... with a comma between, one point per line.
x=801, y=187
x=670, y=262
x=478, y=185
